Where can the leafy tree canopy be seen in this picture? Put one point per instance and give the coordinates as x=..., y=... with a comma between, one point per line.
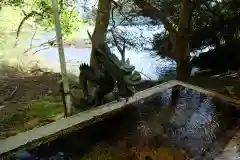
x=5, y=3
x=41, y=12
x=215, y=23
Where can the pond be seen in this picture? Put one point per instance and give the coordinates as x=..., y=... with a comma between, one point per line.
x=144, y=62
x=192, y=126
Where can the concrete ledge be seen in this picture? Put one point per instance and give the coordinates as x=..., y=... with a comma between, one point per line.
x=47, y=133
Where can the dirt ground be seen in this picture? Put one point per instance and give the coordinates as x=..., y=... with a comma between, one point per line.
x=27, y=101
x=28, y=87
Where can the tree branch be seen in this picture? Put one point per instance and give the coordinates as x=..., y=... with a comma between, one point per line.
x=31, y=41
x=121, y=50
x=145, y=75
x=49, y=42
x=155, y=13
x=24, y=12
x=41, y=50
x=185, y=17
x=31, y=14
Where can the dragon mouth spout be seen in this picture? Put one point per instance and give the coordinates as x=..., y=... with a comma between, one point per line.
x=132, y=78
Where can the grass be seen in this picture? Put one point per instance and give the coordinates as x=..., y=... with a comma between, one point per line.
x=47, y=106
x=21, y=117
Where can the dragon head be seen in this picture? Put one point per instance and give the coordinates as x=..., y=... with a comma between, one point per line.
x=132, y=78
x=130, y=75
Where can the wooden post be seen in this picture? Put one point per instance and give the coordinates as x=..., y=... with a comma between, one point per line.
x=68, y=108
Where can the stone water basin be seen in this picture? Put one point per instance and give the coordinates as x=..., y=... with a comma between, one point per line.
x=194, y=126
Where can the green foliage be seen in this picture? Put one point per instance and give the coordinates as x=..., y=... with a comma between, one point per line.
x=41, y=13
x=15, y=3
x=214, y=24
x=69, y=17
x=69, y=22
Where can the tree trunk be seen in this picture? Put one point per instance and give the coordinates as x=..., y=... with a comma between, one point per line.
x=181, y=43
x=183, y=63
x=183, y=66
x=178, y=50
x=183, y=70
x=182, y=40
x=180, y=53
x=101, y=25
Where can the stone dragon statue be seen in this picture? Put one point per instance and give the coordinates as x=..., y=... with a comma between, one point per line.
x=111, y=73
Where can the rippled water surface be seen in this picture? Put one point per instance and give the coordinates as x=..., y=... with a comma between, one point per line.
x=193, y=126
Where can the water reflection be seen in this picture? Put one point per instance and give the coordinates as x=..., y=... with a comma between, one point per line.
x=189, y=127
